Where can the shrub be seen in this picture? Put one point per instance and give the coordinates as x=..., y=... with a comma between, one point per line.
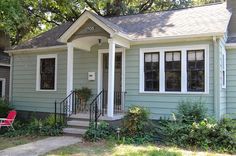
x=35, y=127
x=102, y=131
x=204, y=133
x=136, y=121
x=189, y=111
x=4, y=108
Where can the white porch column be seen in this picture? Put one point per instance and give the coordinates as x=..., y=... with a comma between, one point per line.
x=70, y=57
x=111, y=78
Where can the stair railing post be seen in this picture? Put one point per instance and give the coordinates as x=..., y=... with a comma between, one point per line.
x=55, y=114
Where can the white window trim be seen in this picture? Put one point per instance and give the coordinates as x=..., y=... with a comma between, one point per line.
x=39, y=57
x=183, y=50
x=224, y=68
x=3, y=86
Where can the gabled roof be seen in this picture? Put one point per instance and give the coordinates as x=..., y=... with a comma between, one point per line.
x=204, y=20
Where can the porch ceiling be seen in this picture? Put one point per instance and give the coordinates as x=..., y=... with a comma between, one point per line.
x=85, y=43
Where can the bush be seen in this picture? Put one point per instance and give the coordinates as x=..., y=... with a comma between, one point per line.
x=136, y=121
x=189, y=112
x=35, y=127
x=4, y=108
x=102, y=131
x=198, y=131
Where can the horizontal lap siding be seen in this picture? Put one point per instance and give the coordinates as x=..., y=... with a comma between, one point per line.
x=231, y=82
x=85, y=62
x=160, y=105
x=25, y=96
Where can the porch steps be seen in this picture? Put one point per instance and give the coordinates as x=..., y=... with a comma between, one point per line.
x=76, y=126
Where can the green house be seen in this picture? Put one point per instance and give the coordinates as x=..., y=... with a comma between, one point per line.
x=155, y=60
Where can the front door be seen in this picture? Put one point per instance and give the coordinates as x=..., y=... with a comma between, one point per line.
x=118, y=80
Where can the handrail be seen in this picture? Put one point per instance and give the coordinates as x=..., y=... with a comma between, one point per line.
x=96, y=108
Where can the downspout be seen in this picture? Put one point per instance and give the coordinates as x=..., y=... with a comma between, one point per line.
x=216, y=78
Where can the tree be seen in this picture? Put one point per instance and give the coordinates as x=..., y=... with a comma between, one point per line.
x=26, y=18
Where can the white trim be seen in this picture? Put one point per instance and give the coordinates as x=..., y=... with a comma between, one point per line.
x=230, y=45
x=39, y=57
x=79, y=22
x=183, y=50
x=40, y=49
x=100, y=67
x=70, y=64
x=5, y=65
x=3, y=87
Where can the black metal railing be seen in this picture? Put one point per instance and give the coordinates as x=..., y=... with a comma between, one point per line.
x=66, y=107
x=97, y=108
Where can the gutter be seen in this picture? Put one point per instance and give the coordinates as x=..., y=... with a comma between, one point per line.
x=230, y=45
x=40, y=49
x=5, y=65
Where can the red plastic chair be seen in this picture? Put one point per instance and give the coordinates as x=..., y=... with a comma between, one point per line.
x=8, y=122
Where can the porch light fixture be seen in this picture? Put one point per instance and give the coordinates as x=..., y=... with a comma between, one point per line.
x=99, y=42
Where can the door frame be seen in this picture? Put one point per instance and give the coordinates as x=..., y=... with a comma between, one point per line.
x=100, y=68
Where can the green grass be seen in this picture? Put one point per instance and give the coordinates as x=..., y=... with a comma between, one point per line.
x=110, y=149
x=14, y=141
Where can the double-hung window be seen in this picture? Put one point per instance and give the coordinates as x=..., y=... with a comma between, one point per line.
x=173, y=71
x=46, y=72
x=196, y=70
x=151, y=71
x=182, y=69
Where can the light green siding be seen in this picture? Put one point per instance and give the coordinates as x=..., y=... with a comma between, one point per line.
x=24, y=94
x=231, y=82
x=161, y=104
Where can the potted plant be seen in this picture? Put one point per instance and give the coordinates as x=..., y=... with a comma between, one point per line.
x=84, y=94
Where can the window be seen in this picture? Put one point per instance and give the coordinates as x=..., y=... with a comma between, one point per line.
x=196, y=70
x=2, y=87
x=151, y=71
x=46, y=74
x=223, y=68
x=173, y=71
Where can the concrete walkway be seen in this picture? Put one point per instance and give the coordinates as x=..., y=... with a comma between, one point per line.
x=40, y=147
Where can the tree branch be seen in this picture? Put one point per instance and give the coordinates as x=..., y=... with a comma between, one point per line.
x=144, y=7
x=92, y=7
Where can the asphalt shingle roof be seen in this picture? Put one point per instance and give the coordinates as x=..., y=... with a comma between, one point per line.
x=190, y=21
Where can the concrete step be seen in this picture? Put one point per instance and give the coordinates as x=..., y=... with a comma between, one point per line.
x=74, y=131
x=78, y=123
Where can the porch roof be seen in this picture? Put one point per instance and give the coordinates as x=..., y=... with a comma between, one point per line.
x=204, y=20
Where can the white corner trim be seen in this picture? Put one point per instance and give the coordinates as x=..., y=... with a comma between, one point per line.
x=3, y=87
x=38, y=78
x=70, y=64
x=183, y=50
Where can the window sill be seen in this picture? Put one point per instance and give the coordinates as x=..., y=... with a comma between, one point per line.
x=41, y=90
x=183, y=93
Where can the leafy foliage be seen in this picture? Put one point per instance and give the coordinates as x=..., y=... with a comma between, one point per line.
x=4, y=108
x=135, y=121
x=45, y=14
x=35, y=127
x=194, y=129
x=84, y=93
x=102, y=131
x=191, y=111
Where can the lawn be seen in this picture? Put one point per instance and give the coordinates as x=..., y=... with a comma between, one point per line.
x=14, y=141
x=111, y=149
